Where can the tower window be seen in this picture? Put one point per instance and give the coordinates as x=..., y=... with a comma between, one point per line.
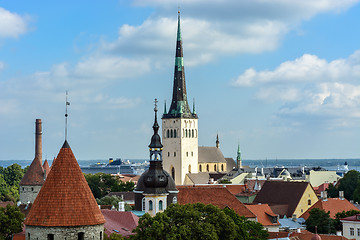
x=81, y=236
x=173, y=172
x=186, y=133
x=32, y=189
x=192, y=133
x=50, y=236
x=175, y=133
x=174, y=154
x=207, y=167
x=174, y=200
x=192, y=154
x=143, y=204
x=189, y=168
x=168, y=154
x=160, y=205
x=150, y=205
x=171, y=133
x=101, y=235
x=168, y=133
x=215, y=168
x=222, y=167
x=187, y=154
x=200, y=168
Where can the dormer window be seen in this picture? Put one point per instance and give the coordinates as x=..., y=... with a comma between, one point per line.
x=161, y=178
x=149, y=179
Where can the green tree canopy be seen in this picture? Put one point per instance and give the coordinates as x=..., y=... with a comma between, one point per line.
x=197, y=221
x=102, y=184
x=10, y=178
x=11, y=221
x=349, y=183
x=343, y=214
x=321, y=220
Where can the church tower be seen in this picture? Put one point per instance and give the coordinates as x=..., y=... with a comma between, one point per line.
x=180, y=125
x=238, y=158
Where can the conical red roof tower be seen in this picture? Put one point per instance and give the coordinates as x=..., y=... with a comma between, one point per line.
x=46, y=167
x=65, y=199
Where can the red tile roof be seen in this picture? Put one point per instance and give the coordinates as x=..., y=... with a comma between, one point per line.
x=4, y=204
x=65, y=199
x=34, y=176
x=263, y=214
x=334, y=205
x=46, y=167
x=119, y=222
x=355, y=218
x=304, y=235
x=235, y=188
x=216, y=195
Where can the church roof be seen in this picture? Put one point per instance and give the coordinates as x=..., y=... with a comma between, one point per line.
x=65, y=199
x=210, y=155
x=179, y=105
x=34, y=176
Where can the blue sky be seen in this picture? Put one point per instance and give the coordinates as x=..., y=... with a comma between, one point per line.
x=282, y=78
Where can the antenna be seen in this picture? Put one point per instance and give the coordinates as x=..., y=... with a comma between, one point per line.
x=66, y=114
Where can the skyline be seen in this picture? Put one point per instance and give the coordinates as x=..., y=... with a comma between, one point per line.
x=279, y=78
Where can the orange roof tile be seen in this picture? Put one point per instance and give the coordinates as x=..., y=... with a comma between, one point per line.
x=65, y=199
x=235, y=188
x=216, y=195
x=303, y=235
x=334, y=205
x=263, y=213
x=120, y=222
x=34, y=176
x=46, y=167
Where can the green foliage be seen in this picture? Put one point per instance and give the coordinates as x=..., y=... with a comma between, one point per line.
x=102, y=184
x=349, y=183
x=224, y=181
x=246, y=229
x=332, y=191
x=11, y=221
x=10, y=178
x=114, y=201
x=197, y=221
x=113, y=236
x=320, y=219
x=343, y=214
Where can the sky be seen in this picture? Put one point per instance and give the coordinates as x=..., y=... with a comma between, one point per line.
x=280, y=78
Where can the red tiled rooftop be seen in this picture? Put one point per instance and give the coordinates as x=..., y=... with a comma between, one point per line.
x=34, y=176
x=303, y=235
x=262, y=212
x=216, y=195
x=119, y=222
x=334, y=205
x=355, y=218
x=235, y=188
x=46, y=167
x=65, y=199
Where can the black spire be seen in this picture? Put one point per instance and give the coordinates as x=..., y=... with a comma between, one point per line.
x=155, y=144
x=179, y=105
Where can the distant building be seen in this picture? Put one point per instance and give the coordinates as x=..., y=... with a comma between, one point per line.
x=265, y=216
x=65, y=208
x=316, y=178
x=35, y=176
x=351, y=227
x=155, y=189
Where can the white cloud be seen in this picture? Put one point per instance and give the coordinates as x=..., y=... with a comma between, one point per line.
x=307, y=68
x=12, y=25
x=2, y=65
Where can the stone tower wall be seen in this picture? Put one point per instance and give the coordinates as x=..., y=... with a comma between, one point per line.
x=95, y=232
x=28, y=193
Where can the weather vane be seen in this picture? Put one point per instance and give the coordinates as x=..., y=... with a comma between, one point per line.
x=66, y=114
x=156, y=102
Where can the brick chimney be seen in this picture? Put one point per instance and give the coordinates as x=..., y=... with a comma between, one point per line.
x=38, y=140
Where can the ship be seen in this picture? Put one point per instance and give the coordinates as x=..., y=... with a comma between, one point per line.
x=117, y=166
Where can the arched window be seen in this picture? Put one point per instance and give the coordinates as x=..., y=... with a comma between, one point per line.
x=81, y=235
x=189, y=168
x=160, y=205
x=143, y=204
x=207, y=167
x=174, y=133
x=168, y=154
x=174, y=200
x=215, y=168
x=29, y=236
x=173, y=172
x=168, y=133
x=50, y=236
x=200, y=168
x=171, y=133
x=222, y=167
x=186, y=133
x=192, y=133
x=150, y=205
x=101, y=235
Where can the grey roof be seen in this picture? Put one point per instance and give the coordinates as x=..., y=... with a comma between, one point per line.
x=290, y=224
x=199, y=178
x=230, y=164
x=211, y=155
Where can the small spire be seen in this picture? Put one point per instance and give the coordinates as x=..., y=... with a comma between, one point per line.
x=155, y=144
x=165, y=107
x=194, y=112
x=66, y=114
x=217, y=140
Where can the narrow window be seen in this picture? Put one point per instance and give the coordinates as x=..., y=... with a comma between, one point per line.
x=29, y=236
x=175, y=133
x=192, y=154
x=168, y=154
x=160, y=205
x=101, y=235
x=174, y=154
x=168, y=133
x=32, y=189
x=174, y=200
x=192, y=133
x=215, y=168
x=81, y=236
x=173, y=173
x=358, y=231
x=50, y=236
x=351, y=231
x=222, y=167
x=200, y=168
x=143, y=204
x=189, y=168
x=186, y=133
x=309, y=202
x=207, y=167
x=187, y=154
x=150, y=205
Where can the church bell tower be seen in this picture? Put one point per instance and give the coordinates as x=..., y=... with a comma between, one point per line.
x=180, y=125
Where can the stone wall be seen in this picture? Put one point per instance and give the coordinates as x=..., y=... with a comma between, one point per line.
x=28, y=193
x=95, y=232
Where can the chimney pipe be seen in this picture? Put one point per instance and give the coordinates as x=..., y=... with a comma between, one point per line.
x=38, y=140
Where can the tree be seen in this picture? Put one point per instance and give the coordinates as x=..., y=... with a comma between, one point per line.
x=10, y=178
x=343, y=214
x=246, y=229
x=113, y=236
x=11, y=221
x=190, y=221
x=320, y=219
x=349, y=183
x=332, y=191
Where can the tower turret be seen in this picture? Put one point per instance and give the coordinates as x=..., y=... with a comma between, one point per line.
x=238, y=158
x=217, y=141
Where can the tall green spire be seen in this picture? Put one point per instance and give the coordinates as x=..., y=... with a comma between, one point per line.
x=165, y=107
x=238, y=158
x=179, y=105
